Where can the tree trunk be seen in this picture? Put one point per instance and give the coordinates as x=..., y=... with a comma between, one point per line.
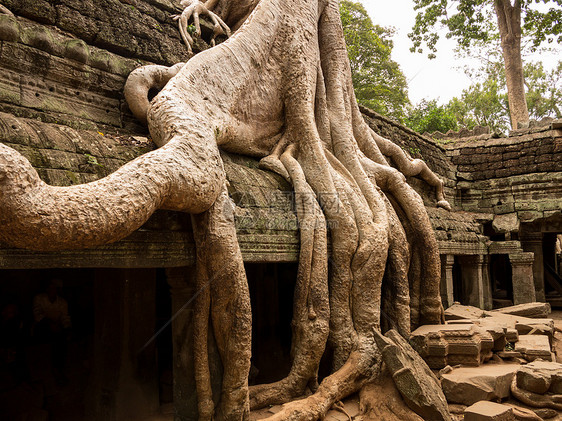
x=509, y=23
x=280, y=89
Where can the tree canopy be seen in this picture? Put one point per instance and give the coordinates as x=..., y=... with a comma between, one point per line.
x=428, y=116
x=377, y=79
x=485, y=102
x=468, y=21
x=472, y=21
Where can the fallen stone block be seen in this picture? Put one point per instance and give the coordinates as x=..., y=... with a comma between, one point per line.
x=511, y=335
x=509, y=354
x=452, y=344
x=536, y=329
x=488, y=411
x=468, y=385
x=532, y=310
x=540, y=377
x=533, y=347
x=414, y=380
x=458, y=311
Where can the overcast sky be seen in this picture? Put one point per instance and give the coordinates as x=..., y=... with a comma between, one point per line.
x=441, y=78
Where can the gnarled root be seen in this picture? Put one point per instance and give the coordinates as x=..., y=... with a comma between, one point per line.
x=195, y=8
x=141, y=80
x=534, y=399
x=222, y=288
x=344, y=382
x=41, y=217
x=311, y=312
x=5, y=11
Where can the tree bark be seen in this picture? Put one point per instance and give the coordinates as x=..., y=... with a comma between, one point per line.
x=279, y=89
x=509, y=23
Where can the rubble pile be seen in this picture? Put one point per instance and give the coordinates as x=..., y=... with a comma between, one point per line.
x=493, y=365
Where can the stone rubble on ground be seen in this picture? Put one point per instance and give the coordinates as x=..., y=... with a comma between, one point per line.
x=532, y=310
x=502, y=355
x=488, y=411
x=468, y=385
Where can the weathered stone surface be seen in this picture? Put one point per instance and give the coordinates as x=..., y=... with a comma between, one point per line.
x=540, y=327
x=506, y=223
x=540, y=377
x=381, y=400
x=533, y=381
x=452, y=344
x=509, y=354
x=488, y=411
x=468, y=385
x=417, y=384
x=512, y=324
x=542, y=413
x=459, y=311
x=533, y=347
x=532, y=310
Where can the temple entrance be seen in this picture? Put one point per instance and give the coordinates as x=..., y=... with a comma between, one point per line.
x=46, y=348
x=501, y=280
x=271, y=292
x=75, y=344
x=551, y=247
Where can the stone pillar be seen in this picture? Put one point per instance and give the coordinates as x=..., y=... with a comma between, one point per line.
x=472, y=282
x=182, y=288
x=486, y=283
x=532, y=242
x=447, y=288
x=125, y=373
x=522, y=277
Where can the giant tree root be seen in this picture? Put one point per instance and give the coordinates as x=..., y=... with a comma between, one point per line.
x=380, y=400
x=279, y=89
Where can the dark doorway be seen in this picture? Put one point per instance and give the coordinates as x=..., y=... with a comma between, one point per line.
x=45, y=365
x=501, y=280
x=271, y=291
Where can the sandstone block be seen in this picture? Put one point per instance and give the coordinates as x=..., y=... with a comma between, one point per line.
x=540, y=377
x=532, y=310
x=468, y=385
x=452, y=344
x=416, y=383
x=533, y=347
x=488, y=411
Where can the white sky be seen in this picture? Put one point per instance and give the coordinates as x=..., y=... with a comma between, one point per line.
x=441, y=78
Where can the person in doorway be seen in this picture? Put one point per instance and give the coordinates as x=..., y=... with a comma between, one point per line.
x=52, y=325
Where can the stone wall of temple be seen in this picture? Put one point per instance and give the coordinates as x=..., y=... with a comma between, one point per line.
x=525, y=151
x=520, y=174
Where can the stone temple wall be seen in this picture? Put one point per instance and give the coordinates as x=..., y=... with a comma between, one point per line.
x=66, y=62
x=520, y=174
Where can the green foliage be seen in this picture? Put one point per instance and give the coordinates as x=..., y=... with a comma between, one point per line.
x=544, y=90
x=377, y=80
x=472, y=21
x=485, y=102
x=430, y=117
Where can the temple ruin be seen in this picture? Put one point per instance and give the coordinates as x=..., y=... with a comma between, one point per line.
x=63, y=67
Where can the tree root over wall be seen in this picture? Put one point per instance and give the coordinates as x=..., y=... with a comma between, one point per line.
x=279, y=89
